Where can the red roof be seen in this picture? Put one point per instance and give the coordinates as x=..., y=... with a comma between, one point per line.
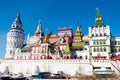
x=116, y=58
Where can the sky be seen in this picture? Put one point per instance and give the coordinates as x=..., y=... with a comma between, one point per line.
x=56, y=14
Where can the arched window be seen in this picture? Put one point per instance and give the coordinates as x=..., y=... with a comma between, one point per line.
x=80, y=57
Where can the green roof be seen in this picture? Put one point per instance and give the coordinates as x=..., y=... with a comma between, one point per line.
x=26, y=48
x=67, y=49
x=98, y=14
x=98, y=22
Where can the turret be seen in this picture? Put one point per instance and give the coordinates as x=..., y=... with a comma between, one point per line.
x=38, y=31
x=17, y=24
x=15, y=38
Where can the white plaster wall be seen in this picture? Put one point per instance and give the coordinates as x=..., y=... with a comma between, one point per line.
x=31, y=66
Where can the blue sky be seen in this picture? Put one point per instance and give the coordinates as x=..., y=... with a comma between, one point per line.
x=57, y=14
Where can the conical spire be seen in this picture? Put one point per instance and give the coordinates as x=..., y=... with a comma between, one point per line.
x=28, y=38
x=98, y=19
x=78, y=30
x=17, y=22
x=39, y=29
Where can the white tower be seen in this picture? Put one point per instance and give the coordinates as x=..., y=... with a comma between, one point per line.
x=15, y=38
x=99, y=39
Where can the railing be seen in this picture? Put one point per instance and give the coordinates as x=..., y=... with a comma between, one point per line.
x=49, y=61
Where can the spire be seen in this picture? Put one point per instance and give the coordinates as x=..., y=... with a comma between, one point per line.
x=28, y=38
x=78, y=30
x=17, y=22
x=98, y=19
x=39, y=29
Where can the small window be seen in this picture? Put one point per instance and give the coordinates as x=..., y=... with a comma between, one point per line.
x=13, y=26
x=93, y=42
x=100, y=34
x=97, y=49
x=101, y=49
x=16, y=26
x=96, y=35
x=86, y=57
x=105, y=34
x=104, y=42
x=112, y=50
x=115, y=42
x=105, y=49
x=92, y=35
x=85, y=48
x=100, y=41
x=80, y=57
x=94, y=49
x=97, y=42
x=119, y=49
x=118, y=42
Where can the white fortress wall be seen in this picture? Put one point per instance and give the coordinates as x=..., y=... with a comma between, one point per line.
x=34, y=66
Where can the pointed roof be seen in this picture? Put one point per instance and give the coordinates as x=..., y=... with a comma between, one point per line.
x=98, y=14
x=98, y=19
x=39, y=27
x=67, y=49
x=78, y=31
x=17, y=22
x=38, y=31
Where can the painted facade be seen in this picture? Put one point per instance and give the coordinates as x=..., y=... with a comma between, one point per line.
x=98, y=44
x=64, y=48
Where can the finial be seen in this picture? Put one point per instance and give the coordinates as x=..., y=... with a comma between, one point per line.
x=18, y=14
x=40, y=21
x=97, y=9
